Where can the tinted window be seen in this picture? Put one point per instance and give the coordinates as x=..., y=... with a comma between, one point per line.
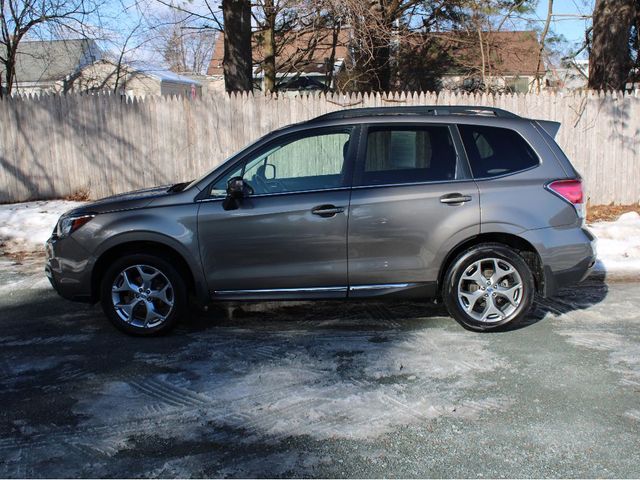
x=496, y=151
x=408, y=155
x=313, y=162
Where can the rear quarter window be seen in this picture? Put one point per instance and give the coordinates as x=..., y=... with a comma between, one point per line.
x=494, y=151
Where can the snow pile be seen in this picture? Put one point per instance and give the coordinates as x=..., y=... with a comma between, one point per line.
x=619, y=244
x=24, y=227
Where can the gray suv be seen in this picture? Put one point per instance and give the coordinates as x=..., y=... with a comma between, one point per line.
x=475, y=205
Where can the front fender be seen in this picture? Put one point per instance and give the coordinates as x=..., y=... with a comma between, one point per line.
x=173, y=226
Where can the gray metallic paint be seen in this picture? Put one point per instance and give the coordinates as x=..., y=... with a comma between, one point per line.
x=274, y=241
x=398, y=234
x=386, y=235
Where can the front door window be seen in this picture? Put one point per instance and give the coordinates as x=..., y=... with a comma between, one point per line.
x=313, y=162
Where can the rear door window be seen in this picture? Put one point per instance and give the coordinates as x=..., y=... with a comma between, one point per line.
x=494, y=151
x=408, y=155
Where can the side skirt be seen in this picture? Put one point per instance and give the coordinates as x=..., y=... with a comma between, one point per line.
x=396, y=290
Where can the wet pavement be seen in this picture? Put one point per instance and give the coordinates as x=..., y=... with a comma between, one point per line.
x=321, y=389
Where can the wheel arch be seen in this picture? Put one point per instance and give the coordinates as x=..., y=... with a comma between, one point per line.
x=152, y=247
x=522, y=246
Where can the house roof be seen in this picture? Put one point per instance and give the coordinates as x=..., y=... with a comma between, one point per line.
x=506, y=52
x=40, y=61
x=305, y=51
x=160, y=73
x=146, y=69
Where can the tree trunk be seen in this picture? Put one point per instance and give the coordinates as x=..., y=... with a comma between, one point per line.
x=383, y=67
x=237, y=62
x=9, y=70
x=331, y=81
x=269, y=47
x=543, y=37
x=609, y=59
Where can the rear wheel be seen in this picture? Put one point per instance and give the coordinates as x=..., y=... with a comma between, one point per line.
x=488, y=286
x=143, y=295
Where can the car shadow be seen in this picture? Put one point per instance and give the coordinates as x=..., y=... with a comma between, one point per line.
x=383, y=314
x=581, y=296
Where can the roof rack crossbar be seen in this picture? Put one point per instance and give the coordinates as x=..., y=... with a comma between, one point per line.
x=416, y=110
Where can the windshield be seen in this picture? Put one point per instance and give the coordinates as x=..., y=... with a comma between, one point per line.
x=222, y=164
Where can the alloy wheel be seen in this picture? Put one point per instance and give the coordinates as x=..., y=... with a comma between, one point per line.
x=142, y=296
x=490, y=290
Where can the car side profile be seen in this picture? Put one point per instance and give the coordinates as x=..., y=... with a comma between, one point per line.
x=475, y=205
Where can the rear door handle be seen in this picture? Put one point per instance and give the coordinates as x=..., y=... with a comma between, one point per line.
x=455, y=199
x=326, y=210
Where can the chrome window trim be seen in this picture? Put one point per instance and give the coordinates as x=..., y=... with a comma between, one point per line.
x=413, y=184
x=261, y=195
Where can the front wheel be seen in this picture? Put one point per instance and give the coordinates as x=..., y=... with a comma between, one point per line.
x=487, y=287
x=143, y=294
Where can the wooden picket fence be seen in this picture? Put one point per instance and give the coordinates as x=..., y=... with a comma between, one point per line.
x=57, y=146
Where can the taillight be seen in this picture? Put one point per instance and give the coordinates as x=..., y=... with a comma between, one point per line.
x=571, y=191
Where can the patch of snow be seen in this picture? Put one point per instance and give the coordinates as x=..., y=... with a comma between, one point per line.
x=25, y=227
x=324, y=386
x=619, y=244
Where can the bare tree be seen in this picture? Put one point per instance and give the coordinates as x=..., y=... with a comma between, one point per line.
x=21, y=17
x=484, y=19
x=293, y=35
x=610, y=59
x=268, y=33
x=236, y=24
x=185, y=48
x=543, y=38
x=380, y=29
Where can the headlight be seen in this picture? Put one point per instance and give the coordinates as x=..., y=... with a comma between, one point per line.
x=68, y=225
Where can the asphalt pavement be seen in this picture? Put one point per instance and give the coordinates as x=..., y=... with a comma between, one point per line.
x=327, y=389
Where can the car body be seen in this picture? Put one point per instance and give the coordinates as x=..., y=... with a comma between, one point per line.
x=358, y=203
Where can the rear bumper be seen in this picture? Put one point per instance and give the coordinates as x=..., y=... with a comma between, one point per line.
x=68, y=268
x=568, y=255
x=553, y=281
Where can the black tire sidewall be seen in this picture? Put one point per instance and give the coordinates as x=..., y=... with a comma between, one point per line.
x=179, y=291
x=461, y=263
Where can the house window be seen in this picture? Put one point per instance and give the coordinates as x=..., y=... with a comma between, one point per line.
x=517, y=84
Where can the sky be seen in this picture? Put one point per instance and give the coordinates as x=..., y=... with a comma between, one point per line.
x=570, y=20
x=566, y=21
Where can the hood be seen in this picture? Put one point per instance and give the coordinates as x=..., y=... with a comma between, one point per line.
x=123, y=201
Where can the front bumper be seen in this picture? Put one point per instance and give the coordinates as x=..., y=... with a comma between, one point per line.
x=68, y=268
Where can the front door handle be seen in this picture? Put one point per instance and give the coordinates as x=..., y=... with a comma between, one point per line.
x=326, y=210
x=455, y=199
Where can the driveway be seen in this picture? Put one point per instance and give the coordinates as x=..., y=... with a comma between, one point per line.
x=323, y=389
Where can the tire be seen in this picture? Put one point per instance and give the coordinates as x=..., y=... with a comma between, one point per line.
x=150, y=302
x=480, y=305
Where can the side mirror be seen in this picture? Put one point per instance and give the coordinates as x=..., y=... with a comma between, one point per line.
x=269, y=171
x=237, y=189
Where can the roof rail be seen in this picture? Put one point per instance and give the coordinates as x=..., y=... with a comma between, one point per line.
x=415, y=110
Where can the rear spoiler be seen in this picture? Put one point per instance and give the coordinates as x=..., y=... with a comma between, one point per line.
x=548, y=126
